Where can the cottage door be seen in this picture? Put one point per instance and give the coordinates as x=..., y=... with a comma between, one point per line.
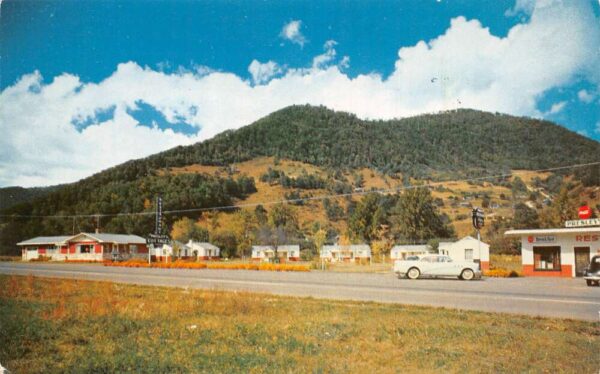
x=582, y=260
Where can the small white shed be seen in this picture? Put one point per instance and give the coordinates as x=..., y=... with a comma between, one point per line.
x=467, y=249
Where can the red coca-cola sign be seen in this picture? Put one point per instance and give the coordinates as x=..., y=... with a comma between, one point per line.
x=585, y=212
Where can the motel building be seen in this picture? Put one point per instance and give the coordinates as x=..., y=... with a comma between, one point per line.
x=84, y=246
x=560, y=252
x=288, y=252
x=345, y=253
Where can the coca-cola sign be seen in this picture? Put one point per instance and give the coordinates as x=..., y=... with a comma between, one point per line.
x=585, y=212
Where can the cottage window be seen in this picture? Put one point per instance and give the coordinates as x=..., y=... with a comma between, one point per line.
x=133, y=248
x=546, y=258
x=86, y=248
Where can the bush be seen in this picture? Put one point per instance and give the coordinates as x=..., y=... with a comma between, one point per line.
x=41, y=259
x=201, y=265
x=501, y=273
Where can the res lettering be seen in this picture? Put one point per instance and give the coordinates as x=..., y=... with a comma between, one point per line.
x=587, y=238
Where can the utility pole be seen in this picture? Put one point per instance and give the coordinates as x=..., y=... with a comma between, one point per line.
x=478, y=218
x=97, y=223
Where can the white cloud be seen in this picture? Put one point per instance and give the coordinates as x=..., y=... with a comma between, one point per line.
x=262, y=73
x=291, y=31
x=585, y=96
x=521, y=6
x=41, y=145
x=557, y=107
x=598, y=127
x=325, y=59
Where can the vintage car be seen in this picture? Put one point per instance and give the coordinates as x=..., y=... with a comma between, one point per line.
x=436, y=266
x=592, y=273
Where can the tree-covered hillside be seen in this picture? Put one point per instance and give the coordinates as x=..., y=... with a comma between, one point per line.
x=10, y=196
x=438, y=146
x=463, y=142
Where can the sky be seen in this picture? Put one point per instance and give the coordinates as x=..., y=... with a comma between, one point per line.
x=86, y=85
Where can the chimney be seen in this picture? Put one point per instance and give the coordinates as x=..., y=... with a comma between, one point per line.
x=97, y=230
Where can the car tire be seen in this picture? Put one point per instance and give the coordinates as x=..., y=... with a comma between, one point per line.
x=413, y=273
x=467, y=274
x=589, y=282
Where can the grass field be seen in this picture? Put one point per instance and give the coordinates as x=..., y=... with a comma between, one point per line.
x=51, y=325
x=508, y=262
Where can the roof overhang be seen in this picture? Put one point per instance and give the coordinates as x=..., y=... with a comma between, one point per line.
x=557, y=231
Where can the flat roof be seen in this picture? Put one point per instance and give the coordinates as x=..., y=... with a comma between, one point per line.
x=564, y=230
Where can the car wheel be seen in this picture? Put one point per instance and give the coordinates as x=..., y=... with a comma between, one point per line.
x=589, y=282
x=413, y=273
x=467, y=274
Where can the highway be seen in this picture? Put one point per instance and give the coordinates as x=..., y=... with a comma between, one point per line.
x=548, y=297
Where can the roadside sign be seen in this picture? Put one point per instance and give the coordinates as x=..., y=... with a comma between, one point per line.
x=478, y=218
x=583, y=222
x=158, y=227
x=158, y=239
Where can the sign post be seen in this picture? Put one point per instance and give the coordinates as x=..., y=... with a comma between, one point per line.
x=157, y=239
x=478, y=218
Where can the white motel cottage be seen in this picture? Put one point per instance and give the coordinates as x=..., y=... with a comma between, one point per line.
x=84, y=246
x=289, y=252
x=189, y=250
x=345, y=253
x=400, y=252
x=560, y=252
x=467, y=249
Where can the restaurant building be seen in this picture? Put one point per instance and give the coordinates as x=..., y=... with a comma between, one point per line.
x=560, y=252
x=84, y=246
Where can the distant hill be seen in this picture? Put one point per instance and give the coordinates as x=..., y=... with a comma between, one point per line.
x=10, y=196
x=447, y=145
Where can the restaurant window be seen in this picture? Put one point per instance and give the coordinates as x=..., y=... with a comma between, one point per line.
x=546, y=258
x=86, y=248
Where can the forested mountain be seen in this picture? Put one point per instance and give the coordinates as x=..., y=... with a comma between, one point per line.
x=446, y=145
x=459, y=142
x=10, y=196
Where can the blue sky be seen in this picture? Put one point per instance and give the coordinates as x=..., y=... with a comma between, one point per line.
x=157, y=74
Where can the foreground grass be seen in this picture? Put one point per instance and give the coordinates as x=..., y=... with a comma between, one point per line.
x=50, y=325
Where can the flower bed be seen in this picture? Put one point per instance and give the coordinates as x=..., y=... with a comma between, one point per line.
x=501, y=273
x=84, y=261
x=204, y=265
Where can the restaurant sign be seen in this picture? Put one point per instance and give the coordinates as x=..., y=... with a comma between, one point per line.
x=541, y=239
x=583, y=222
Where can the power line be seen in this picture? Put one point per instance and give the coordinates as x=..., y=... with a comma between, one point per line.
x=312, y=198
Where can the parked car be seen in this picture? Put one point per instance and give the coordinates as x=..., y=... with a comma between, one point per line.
x=592, y=273
x=436, y=266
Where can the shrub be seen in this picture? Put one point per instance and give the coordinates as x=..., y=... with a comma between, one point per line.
x=501, y=273
x=41, y=258
x=202, y=265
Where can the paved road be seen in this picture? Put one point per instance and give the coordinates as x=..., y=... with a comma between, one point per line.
x=550, y=297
